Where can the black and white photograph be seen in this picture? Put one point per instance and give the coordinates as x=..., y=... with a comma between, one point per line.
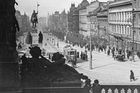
x=69, y=46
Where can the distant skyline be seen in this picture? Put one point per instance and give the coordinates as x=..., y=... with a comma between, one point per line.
x=46, y=6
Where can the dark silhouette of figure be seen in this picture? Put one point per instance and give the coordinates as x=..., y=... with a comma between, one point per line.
x=108, y=51
x=87, y=85
x=132, y=77
x=39, y=71
x=40, y=38
x=58, y=59
x=96, y=87
x=29, y=38
x=34, y=19
x=113, y=52
x=19, y=46
x=37, y=63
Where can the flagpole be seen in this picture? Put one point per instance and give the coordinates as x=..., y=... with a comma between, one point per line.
x=37, y=6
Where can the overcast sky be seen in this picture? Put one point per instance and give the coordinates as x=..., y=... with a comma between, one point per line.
x=46, y=6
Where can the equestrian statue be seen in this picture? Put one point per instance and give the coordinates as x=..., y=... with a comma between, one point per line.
x=34, y=19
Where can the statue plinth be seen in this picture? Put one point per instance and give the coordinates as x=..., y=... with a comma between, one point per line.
x=34, y=30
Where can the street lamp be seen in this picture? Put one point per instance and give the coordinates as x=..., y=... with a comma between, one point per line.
x=65, y=38
x=90, y=64
x=133, y=19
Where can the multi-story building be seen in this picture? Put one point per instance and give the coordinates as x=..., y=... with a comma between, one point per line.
x=83, y=21
x=92, y=10
x=73, y=19
x=42, y=23
x=136, y=7
x=120, y=23
x=102, y=18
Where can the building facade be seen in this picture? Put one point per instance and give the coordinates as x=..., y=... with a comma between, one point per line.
x=136, y=7
x=42, y=23
x=120, y=24
x=83, y=20
x=73, y=19
x=92, y=10
x=102, y=18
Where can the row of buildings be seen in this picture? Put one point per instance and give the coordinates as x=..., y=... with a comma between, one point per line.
x=116, y=21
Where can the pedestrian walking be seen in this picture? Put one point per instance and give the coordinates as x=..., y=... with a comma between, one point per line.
x=113, y=50
x=115, y=54
x=57, y=44
x=108, y=52
x=132, y=77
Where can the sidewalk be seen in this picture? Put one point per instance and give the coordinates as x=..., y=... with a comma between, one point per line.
x=109, y=71
x=106, y=69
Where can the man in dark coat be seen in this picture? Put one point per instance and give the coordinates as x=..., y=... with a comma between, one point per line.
x=96, y=87
x=40, y=38
x=132, y=77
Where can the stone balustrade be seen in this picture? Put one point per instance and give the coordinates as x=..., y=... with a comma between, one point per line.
x=120, y=88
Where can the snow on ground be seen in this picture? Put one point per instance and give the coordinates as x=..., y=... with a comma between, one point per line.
x=106, y=69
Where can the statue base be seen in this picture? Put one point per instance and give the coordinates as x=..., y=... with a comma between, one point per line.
x=34, y=30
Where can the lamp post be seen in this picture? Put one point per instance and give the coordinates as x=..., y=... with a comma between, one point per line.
x=133, y=19
x=90, y=49
x=66, y=29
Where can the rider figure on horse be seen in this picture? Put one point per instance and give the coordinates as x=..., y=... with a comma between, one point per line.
x=34, y=19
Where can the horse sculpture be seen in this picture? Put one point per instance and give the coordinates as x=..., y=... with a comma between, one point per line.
x=34, y=19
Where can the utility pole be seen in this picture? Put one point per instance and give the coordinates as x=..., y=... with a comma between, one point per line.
x=133, y=14
x=90, y=64
x=67, y=24
x=37, y=6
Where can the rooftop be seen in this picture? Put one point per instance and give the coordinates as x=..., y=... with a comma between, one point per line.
x=120, y=3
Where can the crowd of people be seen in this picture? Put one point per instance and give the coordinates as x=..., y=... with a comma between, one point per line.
x=116, y=53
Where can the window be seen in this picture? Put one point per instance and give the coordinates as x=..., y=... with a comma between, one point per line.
x=122, y=29
x=119, y=29
x=129, y=33
x=116, y=28
x=125, y=30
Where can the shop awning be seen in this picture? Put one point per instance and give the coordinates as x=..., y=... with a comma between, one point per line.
x=120, y=37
